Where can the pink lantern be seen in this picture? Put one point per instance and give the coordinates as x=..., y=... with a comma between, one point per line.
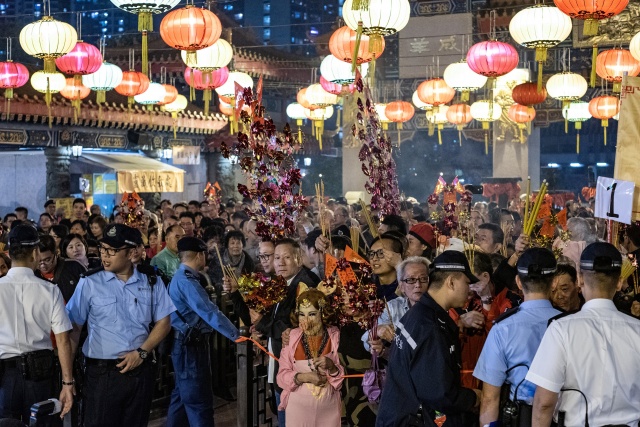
x=205, y=81
x=83, y=59
x=336, y=88
x=492, y=58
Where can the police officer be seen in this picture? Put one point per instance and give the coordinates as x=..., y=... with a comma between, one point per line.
x=513, y=341
x=128, y=316
x=590, y=359
x=423, y=375
x=193, y=321
x=30, y=308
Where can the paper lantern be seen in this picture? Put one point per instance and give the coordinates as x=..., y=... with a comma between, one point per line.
x=171, y=94
x=492, y=58
x=336, y=88
x=344, y=46
x=577, y=112
x=399, y=112
x=190, y=29
x=522, y=115
x=301, y=97
x=567, y=87
x=634, y=47
x=12, y=76
x=612, y=64
x=417, y=102
x=133, y=83
x=48, y=83
x=337, y=71
x=295, y=111
x=435, y=92
x=319, y=97
x=382, y=115
x=75, y=92
x=211, y=58
x=486, y=112
x=145, y=9
x=380, y=18
x=459, y=115
x=540, y=27
x=83, y=59
x=108, y=77
x=175, y=107
x=154, y=94
x=436, y=119
x=318, y=116
x=604, y=108
x=528, y=94
x=228, y=89
x=48, y=39
x=462, y=78
x=591, y=11
x=205, y=81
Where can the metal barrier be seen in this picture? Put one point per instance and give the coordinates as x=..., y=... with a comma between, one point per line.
x=252, y=386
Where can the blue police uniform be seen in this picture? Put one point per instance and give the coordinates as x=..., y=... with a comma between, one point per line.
x=192, y=397
x=514, y=341
x=119, y=316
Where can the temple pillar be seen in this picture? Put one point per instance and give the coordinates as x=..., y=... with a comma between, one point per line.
x=512, y=159
x=220, y=169
x=353, y=179
x=58, y=176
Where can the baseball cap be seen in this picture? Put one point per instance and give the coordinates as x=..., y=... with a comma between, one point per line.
x=537, y=262
x=192, y=244
x=424, y=233
x=118, y=235
x=601, y=257
x=453, y=261
x=23, y=235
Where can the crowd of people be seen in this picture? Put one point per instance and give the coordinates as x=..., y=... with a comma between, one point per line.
x=495, y=331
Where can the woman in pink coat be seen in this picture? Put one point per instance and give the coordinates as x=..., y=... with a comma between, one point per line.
x=310, y=373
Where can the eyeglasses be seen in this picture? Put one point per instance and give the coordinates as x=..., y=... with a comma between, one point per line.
x=110, y=251
x=47, y=260
x=264, y=257
x=376, y=254
x=185, y=224
x=414, y=280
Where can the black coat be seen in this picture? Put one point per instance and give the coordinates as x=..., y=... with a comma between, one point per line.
x=66, y=276
x=424, y=369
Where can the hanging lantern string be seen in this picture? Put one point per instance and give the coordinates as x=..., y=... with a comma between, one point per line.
x=131, y=59
x=79, y=25
x=8, y=48
x=163, y=75
x=101, y=45
x=492, y=25
x=46, y=8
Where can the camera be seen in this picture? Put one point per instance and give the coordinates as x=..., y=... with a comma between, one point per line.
x=42, y=411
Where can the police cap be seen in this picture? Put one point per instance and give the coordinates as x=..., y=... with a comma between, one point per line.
x=24, y=235
x=453, y=261
x=601, y=257
x=192, y=244
x=537, y=262
x=119, y=235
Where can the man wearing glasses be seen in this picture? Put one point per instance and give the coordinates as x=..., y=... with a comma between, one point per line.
x=63, y=272
x=167, y=260
x=128, y=316
x=188, y=223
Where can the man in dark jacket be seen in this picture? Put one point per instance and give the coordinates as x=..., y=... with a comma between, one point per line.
x=287, y=261
x=423, y=375
x=63, y=272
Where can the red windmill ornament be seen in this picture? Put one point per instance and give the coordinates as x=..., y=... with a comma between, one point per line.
x=83, y=59
x=205, y=81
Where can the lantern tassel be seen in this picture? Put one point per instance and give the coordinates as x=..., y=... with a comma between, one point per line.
x=338, y=118
x=521, y=134
x=99, y=115
x=192, y=59
x=76, y=108
x=207, y=99
x=49, y=65
x=439, y=135
x=431, y=128
x=594, y=59
x=372, y=72
x=460, y=135
x=174, y=116
x=319, y=132
x=590, y=27
x=605, y=124
x=145, y=53
x=540, y=67
x=130, y=102
x=47, y=100
x=8, y=96
x=566, y=125
x=464, y=96
x=354, y=56
x=360, y=5
x=578, y=143
x=486, y=143
x=192, y=90
x=101, y=97
x=375, y=43
x=299, y=136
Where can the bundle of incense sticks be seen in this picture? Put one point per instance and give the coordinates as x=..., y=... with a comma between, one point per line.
x=367, y=216
x=627, y=270
x=614, y=231
x=227, y=270
x=532, y=217
x=469, y=244
x=355, y=237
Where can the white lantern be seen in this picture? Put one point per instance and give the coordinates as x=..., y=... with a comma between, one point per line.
x=211, y=58
x=48, y=39
x=381, y=18
x=419, y=104
x=296, y=112
x=634, y=47
x=485, y=112
x=436, y=119
x=340, y=72
x=154, y=94
x=566, y=87
x=229, y=88
x=462, y=78
x=106, y=78
x=178, y=105
x=513, y=78
x=48, y=82
x=318, y=97
x=382, y=116
x=577, y=112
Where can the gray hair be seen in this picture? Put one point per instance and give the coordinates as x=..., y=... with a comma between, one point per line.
x=580, y=230
x=401, y=268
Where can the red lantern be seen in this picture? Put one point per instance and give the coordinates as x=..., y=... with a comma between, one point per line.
x=522, y=115
x=528, y=94
x=84, y=59
x=492, y=58
x=459, y=115
x=301, y=97
x=12, y=75
x=435, y=92
x=399, y=112
x=591, y=11
x=336, y=88
x=612, y=64
x=604, y=108
x=342, y=45
x=205, y=81
x=190, y=28
x=171, y=94
x=133, y=83
x=75, y=92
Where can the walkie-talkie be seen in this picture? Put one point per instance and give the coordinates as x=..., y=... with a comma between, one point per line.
x=561, y=419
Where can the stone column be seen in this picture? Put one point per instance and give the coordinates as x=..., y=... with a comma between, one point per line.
x=152, y=200
x=353, y=179
x=512, y=159
x=221, y=170
x=58, y=177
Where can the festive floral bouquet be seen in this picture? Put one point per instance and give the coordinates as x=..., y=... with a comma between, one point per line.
x=131, y=209
x=261, y=292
